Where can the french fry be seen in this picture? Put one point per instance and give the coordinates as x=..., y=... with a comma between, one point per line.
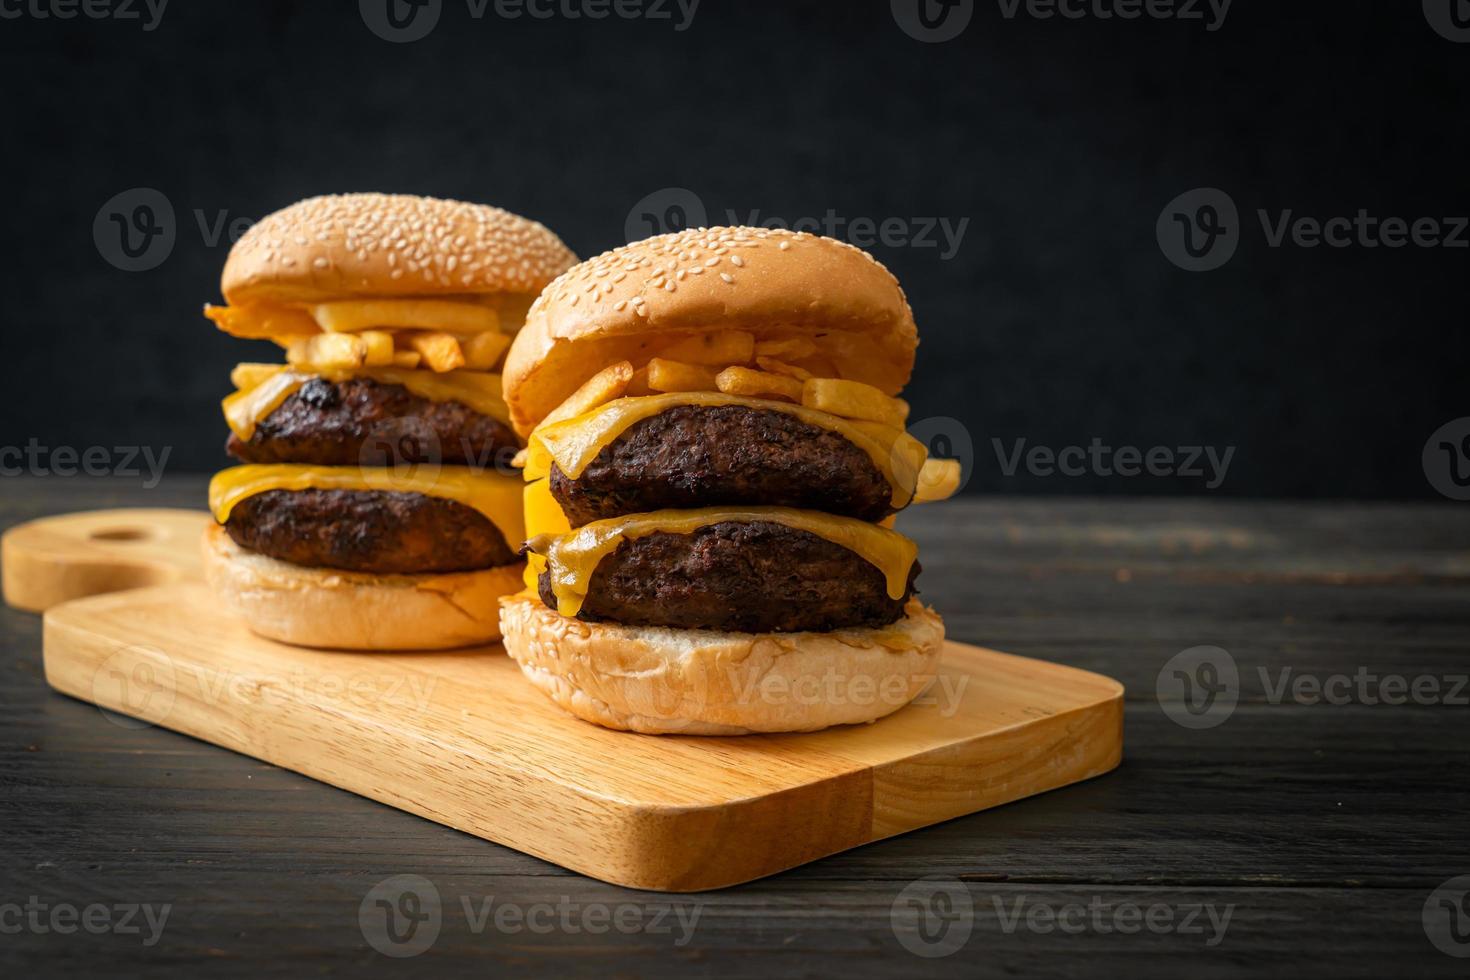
x=406, y=359
x=781, y=367
x=851, y=399
x=938, y=479
x=677, y=376
x=248, y=374
x=720, y=347
x=483, y=351
x=881, y=432
x=350, y=316
x=327, y=350
x=906, y=455
x=379, y=347
x=440, y=351
x=757, y=384
x=601, y=388
x=638, y=384
x=262, y=321
x=793, y=349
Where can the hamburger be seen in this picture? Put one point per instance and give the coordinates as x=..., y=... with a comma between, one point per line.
x=375, y=507
x=715, y=456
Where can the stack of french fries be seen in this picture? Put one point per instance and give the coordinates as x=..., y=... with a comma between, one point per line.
x=423, y=334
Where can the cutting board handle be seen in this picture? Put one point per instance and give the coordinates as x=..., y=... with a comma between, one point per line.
x=71, y=556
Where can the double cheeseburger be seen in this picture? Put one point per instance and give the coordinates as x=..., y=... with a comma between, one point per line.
x=714, y=458
x=376, y=508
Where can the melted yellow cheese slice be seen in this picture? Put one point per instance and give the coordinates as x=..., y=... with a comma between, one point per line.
x=477, y=390
x=573, y=557
x=543, y=516
x=495, y=495
x=575, y=443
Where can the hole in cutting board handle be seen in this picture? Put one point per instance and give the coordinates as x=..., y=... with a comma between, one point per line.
x=122, y=534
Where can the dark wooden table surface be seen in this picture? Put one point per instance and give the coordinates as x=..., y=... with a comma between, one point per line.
x=1325, y=831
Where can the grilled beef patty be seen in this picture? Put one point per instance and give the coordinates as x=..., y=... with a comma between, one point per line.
x=711, y=456
x=379, y=531
x=752, y=577
x=362, y=422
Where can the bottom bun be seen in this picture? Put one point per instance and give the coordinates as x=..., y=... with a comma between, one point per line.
x=324, y=607
x=660, y=681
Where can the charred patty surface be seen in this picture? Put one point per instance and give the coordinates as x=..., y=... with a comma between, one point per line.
x=361, y=422
x=709, y=456
x=752, y=577
x=368, y=531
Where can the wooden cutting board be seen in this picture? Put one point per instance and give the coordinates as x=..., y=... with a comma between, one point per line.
x=462, y=739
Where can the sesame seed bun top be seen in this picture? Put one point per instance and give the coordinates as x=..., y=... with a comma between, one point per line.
x=625, y=303
x=353, y=245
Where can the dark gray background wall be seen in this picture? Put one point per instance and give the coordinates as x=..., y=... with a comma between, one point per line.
x=1055, y=317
